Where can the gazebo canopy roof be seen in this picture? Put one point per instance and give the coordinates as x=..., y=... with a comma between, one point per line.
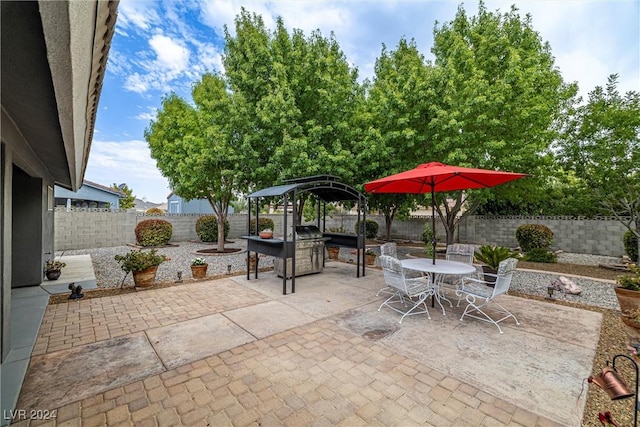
x=326, y=187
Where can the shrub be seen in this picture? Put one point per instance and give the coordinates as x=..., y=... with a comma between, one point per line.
x=541, y=255
x=154, y=211
x=492, y=256
x=139, y=260
x=263, y=224
x=371, y=228
x=153, y=232
x=632, y=281
x=534, y=236
x=207, y=228
x=630, y=241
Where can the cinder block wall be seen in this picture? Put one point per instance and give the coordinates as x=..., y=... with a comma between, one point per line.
x=602, y=236
x=92, y=228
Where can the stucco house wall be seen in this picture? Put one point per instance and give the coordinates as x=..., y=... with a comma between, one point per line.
x=53, y=60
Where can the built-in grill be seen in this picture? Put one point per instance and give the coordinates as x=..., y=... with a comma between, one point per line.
x=309, y=252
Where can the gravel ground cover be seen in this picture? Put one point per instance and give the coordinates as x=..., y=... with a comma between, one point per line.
x=596, y=284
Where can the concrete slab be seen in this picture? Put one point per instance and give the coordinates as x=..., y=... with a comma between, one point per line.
x=79, y=270
x=540, y=365
x=66, y=376
x=262, y=320
x=196, y=339
x=334, y=291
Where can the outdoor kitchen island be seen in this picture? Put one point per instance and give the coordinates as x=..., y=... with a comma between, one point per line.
x=302, y=252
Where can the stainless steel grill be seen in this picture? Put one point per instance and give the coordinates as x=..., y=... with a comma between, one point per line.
x=309, y=251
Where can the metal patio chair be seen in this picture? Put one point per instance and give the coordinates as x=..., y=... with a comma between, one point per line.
x=481, y=299
x=459, y=252
x=409, y=294
x=389, y=249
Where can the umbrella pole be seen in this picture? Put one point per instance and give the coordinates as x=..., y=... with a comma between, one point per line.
x=433, y=223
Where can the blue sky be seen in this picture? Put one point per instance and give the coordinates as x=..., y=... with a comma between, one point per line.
x=164, y=46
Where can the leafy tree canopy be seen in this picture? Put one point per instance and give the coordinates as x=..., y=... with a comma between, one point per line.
x=129, y=200
x=601, y=144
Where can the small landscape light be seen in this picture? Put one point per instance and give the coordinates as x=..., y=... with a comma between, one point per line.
x=550, y=290
x=179, y=277
x=228, y=268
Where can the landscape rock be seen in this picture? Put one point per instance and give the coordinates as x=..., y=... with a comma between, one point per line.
x=566, y=286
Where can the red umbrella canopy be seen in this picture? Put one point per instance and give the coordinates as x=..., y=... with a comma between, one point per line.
x=438, y=177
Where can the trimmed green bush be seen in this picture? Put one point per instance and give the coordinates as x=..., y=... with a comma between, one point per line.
x=153, y=232
x=263, y=223
x=534, y=236
x=630, y=242
x=371, y=229
x=541, y=255
x=207, y=228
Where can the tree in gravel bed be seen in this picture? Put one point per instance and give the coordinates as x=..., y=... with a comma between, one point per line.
x=601, y=144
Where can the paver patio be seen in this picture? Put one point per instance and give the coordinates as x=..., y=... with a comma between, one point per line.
x=237, y=352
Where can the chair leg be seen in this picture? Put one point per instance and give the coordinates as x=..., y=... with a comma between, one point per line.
x=421, y=300
x=404, y=300
x=472, y=308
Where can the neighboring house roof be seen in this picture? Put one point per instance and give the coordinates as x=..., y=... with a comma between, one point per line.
x=103, y=188
x=144, y=205
x=51, y=87
x=90, y=191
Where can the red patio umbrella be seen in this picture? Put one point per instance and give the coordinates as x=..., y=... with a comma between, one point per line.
x=437, y=177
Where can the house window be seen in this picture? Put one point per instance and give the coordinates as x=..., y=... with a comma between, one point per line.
x=174, y=207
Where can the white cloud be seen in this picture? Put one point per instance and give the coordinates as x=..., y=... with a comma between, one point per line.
x=136, y=83
x=127, y=162
x=137, y=13
x=148, y=115
x=171, y=55
x=218, y=13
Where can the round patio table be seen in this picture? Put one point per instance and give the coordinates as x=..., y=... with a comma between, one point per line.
x=436, y=271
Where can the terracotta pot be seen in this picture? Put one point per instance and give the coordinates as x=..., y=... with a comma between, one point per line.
x=333, y=251
x=370, y=259
x=199, y=271
x=145, y=278
x=266, y=234
x=629, y=301
x=53, y=274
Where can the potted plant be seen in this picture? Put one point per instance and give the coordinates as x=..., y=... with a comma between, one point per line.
x=370, y=256
x=491, y=257
x=267, y=233
x=628, y=294
x=53, y=269
x=143, y=265
x=333, y=251
x=199, y=268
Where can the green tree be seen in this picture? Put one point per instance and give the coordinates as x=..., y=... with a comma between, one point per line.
x=497, y=97
x=300, y=95
x=398, y=109
x=200, y=148
x=129, y=200
x=601, y=144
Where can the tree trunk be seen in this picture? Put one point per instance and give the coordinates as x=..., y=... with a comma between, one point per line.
x=638, y=236
x=221, y=219
x=389, y=215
